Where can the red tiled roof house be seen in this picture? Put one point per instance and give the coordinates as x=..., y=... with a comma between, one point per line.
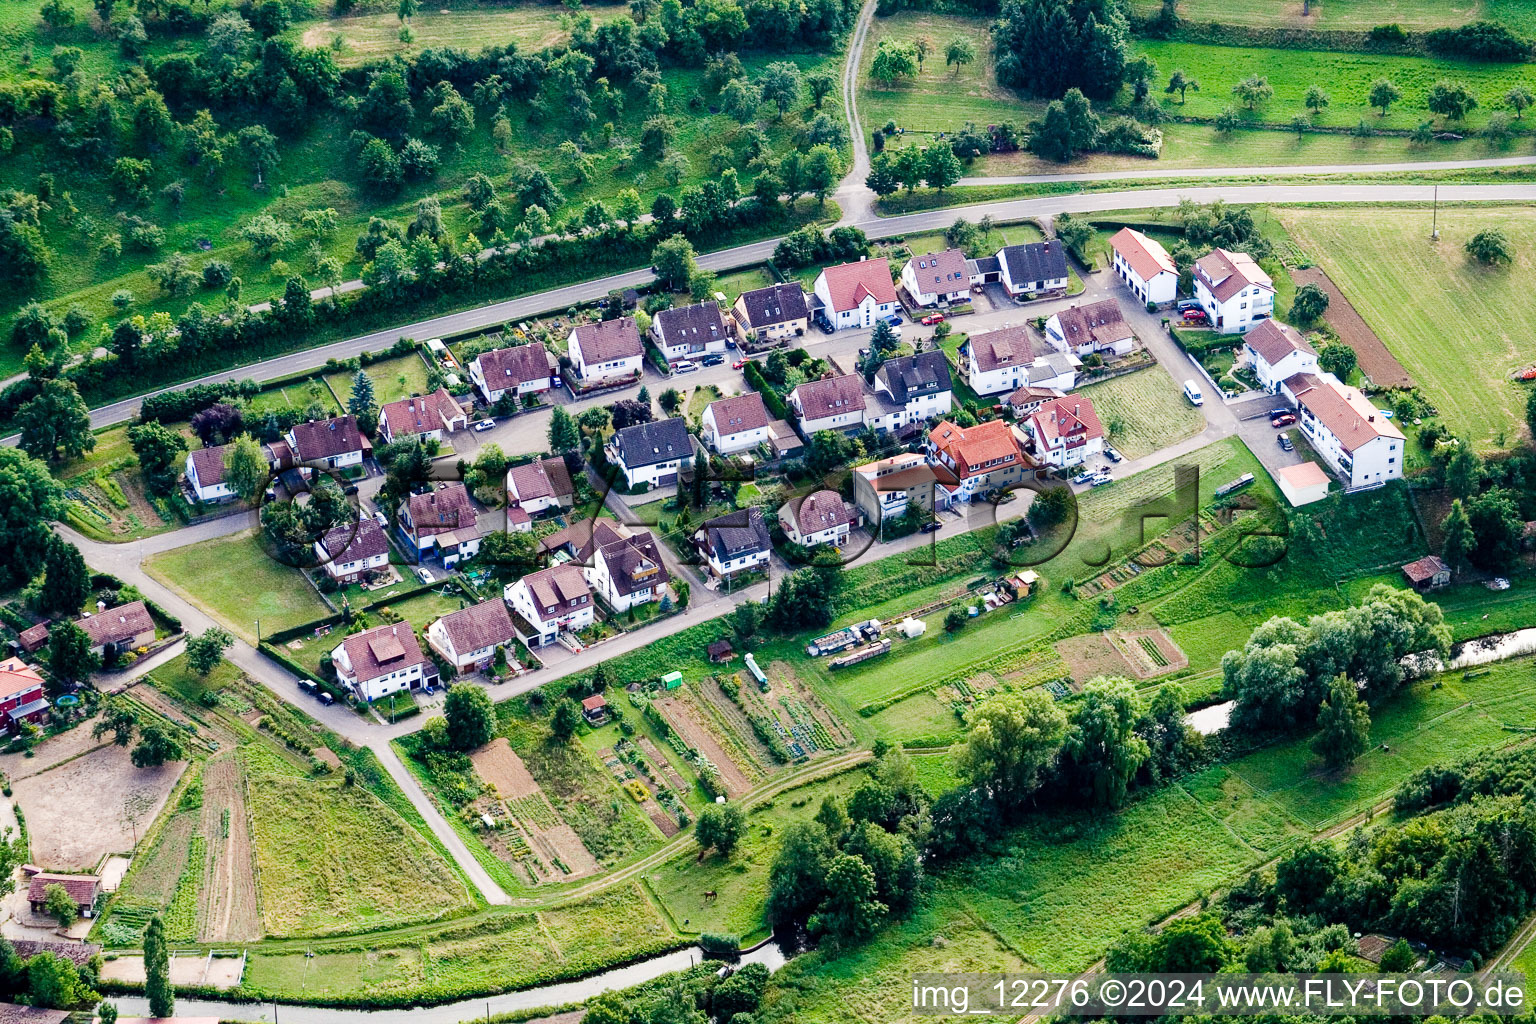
x=540, y=485
x=1065, y=431
x=468, y=638
x=1096, y=327
x=351, y=551
x=382, y=661
x=605, y=351
x=83, y=889
x=821, y=517
x=982, y=458
x=427, y=417
x=442, y=523
x=125, y=627
x=936, y=277
x=735, y=424
x=552, y=601
x=855, y=294
x=1145, y=266
x=21, y=695
x=833, y=403
x=517, y=371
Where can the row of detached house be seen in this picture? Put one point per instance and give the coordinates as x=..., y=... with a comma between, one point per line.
x=1233, y=290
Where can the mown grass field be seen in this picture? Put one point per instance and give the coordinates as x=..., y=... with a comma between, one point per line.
x=1143, y=412
x=393, y=379
x=333, y=858
x=1351, y=15
x=940, y=98
x=373, y=36
x=1415, y=295
x=237, y=582
x=1346, y=77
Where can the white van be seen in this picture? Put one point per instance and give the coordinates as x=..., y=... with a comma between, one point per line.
x=1192, y=392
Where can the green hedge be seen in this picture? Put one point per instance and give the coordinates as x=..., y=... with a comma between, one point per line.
x=759, y=383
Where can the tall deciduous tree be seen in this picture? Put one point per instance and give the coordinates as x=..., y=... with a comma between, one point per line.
x=159, y=450
x=206, y=650
x=1343, y=723
x=1013, y=739
x=470, y=715
x=69, y=652
x=245, y=467
x=67, y=581
x=1459, y=541
x=1102, y=743
x=55, y=425
x=563, y=433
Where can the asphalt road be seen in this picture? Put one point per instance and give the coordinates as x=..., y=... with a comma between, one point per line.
x=1293, y=170
x=755, y=252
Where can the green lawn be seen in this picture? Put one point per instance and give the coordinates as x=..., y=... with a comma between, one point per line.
x=939, y=99
x=1143, y=412
x=422, y=609
x=296, y=396
x=1413, y=294
x=745, y=280
x=393, y=379
x=237, y=582
x=1346, y=77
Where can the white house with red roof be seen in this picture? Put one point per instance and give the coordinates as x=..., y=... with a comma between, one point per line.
x=855, y=294
x=205, y=474
x=1145, y=266
x=690, y=332
x=1278, y=351
x=982, y=458
x=735, y=424
x=936, y=277
x=552, y=601
x=1066, y=431
x=1097, y=327
x=1233, y=290
x=833, y=403
x=444, y=522
x=335, y=443
x=623, y=566
x=821, y=517
x=352, y=550
x=1357, y=441
x=885, y=489
x=1002, y=361
x=427, y=417
x=540, y=485
x=605, y=351
x=468, y=638
x=519, y=370
x=382, y=661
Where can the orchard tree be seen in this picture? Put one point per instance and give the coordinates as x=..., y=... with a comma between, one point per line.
x=565, y=719
x=673, y=259
x=959, y=53
x=893, y=61
x=117, y=717
x=258, y=148
x=1102, y=745
x=1451, y=100
x=780, y=85
x=1181, y=82
x=156, y=747
x=1383, y=94
x=1253, y=90
x=820, y=84
x=1518, y=98
x=1316, y=100
x=205, y=651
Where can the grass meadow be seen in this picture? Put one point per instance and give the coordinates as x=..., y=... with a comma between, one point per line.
x=1351, y=15
x=1346, y=77
x=237, y=582
x=1414, y=293
x=1143, y=412
x=393, y=379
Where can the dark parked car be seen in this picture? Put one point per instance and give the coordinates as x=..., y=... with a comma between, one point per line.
x=1186, y=304
x=932, y=526
x=713, y=359
x=1285, y=443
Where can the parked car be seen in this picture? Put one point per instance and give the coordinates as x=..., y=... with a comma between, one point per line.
x=684, y=366
x=738, y=364
x=933, y=318
x=894, y=319
x=932, y=526
x=1083, y=477
x=1285, y=443
x=1188, y=304
x=1283, y=420
x=325, y=698
x=1277, y=412
x=713, y=359
x=730, y=342
x=485, y=425
x=1100, y=479
x=557, y=381
x=1192, y=392
x=308, y=686
x=825, y=325
x=1111, y=454
x=1194, y=315
x=423, y=574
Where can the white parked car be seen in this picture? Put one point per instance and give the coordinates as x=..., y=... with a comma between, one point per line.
x=423, y=574
x=485, y=425
x=684, y=366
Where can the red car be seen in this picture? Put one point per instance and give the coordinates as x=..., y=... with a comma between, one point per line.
x=1194, y=315
x=738, y=364
x=933, y=318
x=1283, y=420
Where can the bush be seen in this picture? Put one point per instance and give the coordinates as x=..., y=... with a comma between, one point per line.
x=1480, y=40
x=1392, y=33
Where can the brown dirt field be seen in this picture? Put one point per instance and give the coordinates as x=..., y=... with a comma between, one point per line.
x=498, y=765
x=738, y=721
x=662, y=821
x=563, y=842
x=185, y=971
x=1129, y=646
x=1092, y=655
x=229, y=908
x=673, y=777
x=51, y=751
x=1376, y=361
x=680, y=717
x=328, y=755
x=138, y=504
x=79, y=812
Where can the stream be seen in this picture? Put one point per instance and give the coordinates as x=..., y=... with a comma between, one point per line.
x=465, y=1010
